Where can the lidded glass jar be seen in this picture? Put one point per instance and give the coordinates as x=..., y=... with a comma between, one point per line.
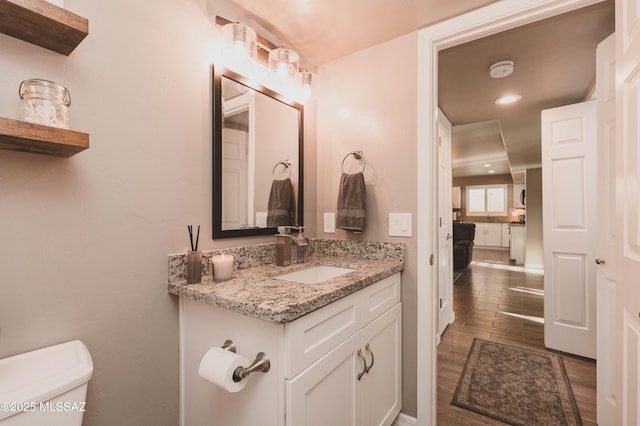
x=45, y=102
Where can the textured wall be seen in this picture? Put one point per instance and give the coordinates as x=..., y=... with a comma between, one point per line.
x=84, y=241
x=368, y=101
x=534, y=256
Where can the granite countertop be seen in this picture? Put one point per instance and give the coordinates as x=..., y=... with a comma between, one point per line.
x=254, y=291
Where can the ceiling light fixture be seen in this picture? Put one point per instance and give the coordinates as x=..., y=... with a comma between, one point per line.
x=491, y=171
x=487, y=165
x=509, y=99
x=501, y=69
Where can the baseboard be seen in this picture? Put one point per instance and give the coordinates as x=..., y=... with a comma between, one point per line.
x=533, y=266
x=404, y=420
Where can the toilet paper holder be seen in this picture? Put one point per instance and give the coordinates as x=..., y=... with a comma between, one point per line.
x=260, y=364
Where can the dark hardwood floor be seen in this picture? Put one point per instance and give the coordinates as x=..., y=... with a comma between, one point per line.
x=495, y=300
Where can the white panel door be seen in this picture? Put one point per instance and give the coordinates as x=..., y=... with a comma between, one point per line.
x=445, y=242
x=569, y=217
x=628, y=210
x=606, y=249
x=234, y=178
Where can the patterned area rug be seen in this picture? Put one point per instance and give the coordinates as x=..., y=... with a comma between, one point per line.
x=517, y=386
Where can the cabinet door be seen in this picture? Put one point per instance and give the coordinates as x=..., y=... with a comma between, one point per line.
x=326, y=393
x=481, y=231
x=381, y=386
x=505, y=235
x=494, y=235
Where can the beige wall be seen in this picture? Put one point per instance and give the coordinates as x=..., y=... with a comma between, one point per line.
x=84, y=241
x=368, y=101
x=534, y=256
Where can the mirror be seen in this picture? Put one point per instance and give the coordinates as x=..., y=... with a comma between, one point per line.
x=257, y=150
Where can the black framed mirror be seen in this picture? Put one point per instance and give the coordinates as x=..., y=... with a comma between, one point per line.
x=257, y=158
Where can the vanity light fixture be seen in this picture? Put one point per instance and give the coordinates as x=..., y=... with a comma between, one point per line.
x=509, y=99
x=267, y=61
x=241, y=40
x=284, y=62
x=308, y=82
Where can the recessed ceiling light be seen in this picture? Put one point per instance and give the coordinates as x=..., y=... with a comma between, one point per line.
x=487, y=165
x=491, y=171
x=509, y=99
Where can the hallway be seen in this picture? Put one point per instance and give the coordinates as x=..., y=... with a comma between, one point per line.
x=496, y=301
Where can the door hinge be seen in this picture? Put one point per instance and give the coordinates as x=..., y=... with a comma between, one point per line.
x=431, y=259
x=441, y=303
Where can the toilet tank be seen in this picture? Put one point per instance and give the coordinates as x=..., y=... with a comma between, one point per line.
x=45, y=387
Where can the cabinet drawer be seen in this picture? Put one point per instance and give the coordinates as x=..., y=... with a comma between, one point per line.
x=308, y=338
x=381, y=296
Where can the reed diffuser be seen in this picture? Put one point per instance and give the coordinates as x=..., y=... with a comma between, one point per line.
x=194, y=258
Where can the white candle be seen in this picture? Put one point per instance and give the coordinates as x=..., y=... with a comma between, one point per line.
x=222, y=267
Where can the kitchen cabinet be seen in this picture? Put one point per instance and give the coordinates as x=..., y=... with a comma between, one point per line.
x=505, y=235
x=517, y=246
x=340, y=364
x=488, y=235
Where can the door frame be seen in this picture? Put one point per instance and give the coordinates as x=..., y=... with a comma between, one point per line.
x=494, y=18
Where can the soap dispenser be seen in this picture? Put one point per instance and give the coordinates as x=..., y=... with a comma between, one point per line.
x=283, y=248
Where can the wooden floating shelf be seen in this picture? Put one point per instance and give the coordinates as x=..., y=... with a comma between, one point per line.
x=16, y=135
x=43, y=24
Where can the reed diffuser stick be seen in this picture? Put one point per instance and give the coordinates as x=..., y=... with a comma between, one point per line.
x=194, y=247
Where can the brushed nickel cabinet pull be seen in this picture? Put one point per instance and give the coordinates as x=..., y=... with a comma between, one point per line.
x=364, y=370
x=368, y=348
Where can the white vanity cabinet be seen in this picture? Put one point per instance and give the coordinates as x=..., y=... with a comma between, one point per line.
x=338, y=365
x=357, y=383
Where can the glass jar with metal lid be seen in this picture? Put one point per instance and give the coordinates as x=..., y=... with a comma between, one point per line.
x=45, y=102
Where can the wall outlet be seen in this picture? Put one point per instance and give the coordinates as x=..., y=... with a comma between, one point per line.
x=400, y=224
x=330, y=223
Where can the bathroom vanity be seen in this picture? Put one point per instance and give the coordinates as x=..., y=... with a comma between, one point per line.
x=334, y=345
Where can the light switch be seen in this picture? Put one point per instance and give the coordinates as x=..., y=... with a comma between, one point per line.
x=400, y=224
x=330, y=223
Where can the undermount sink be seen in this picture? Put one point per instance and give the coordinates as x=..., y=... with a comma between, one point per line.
x=315, y=274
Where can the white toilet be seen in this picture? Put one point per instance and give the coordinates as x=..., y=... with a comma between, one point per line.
x=45, y=387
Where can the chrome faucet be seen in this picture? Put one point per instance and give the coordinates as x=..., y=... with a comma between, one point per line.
x=290, y=248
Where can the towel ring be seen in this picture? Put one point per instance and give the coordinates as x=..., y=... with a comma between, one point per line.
x=285, y=163
x=358, y=155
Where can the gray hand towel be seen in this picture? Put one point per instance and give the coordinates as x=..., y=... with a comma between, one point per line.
x=281, y=209
x=351, y=203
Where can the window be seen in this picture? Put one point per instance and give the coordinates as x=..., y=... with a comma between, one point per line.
x=487, y=200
